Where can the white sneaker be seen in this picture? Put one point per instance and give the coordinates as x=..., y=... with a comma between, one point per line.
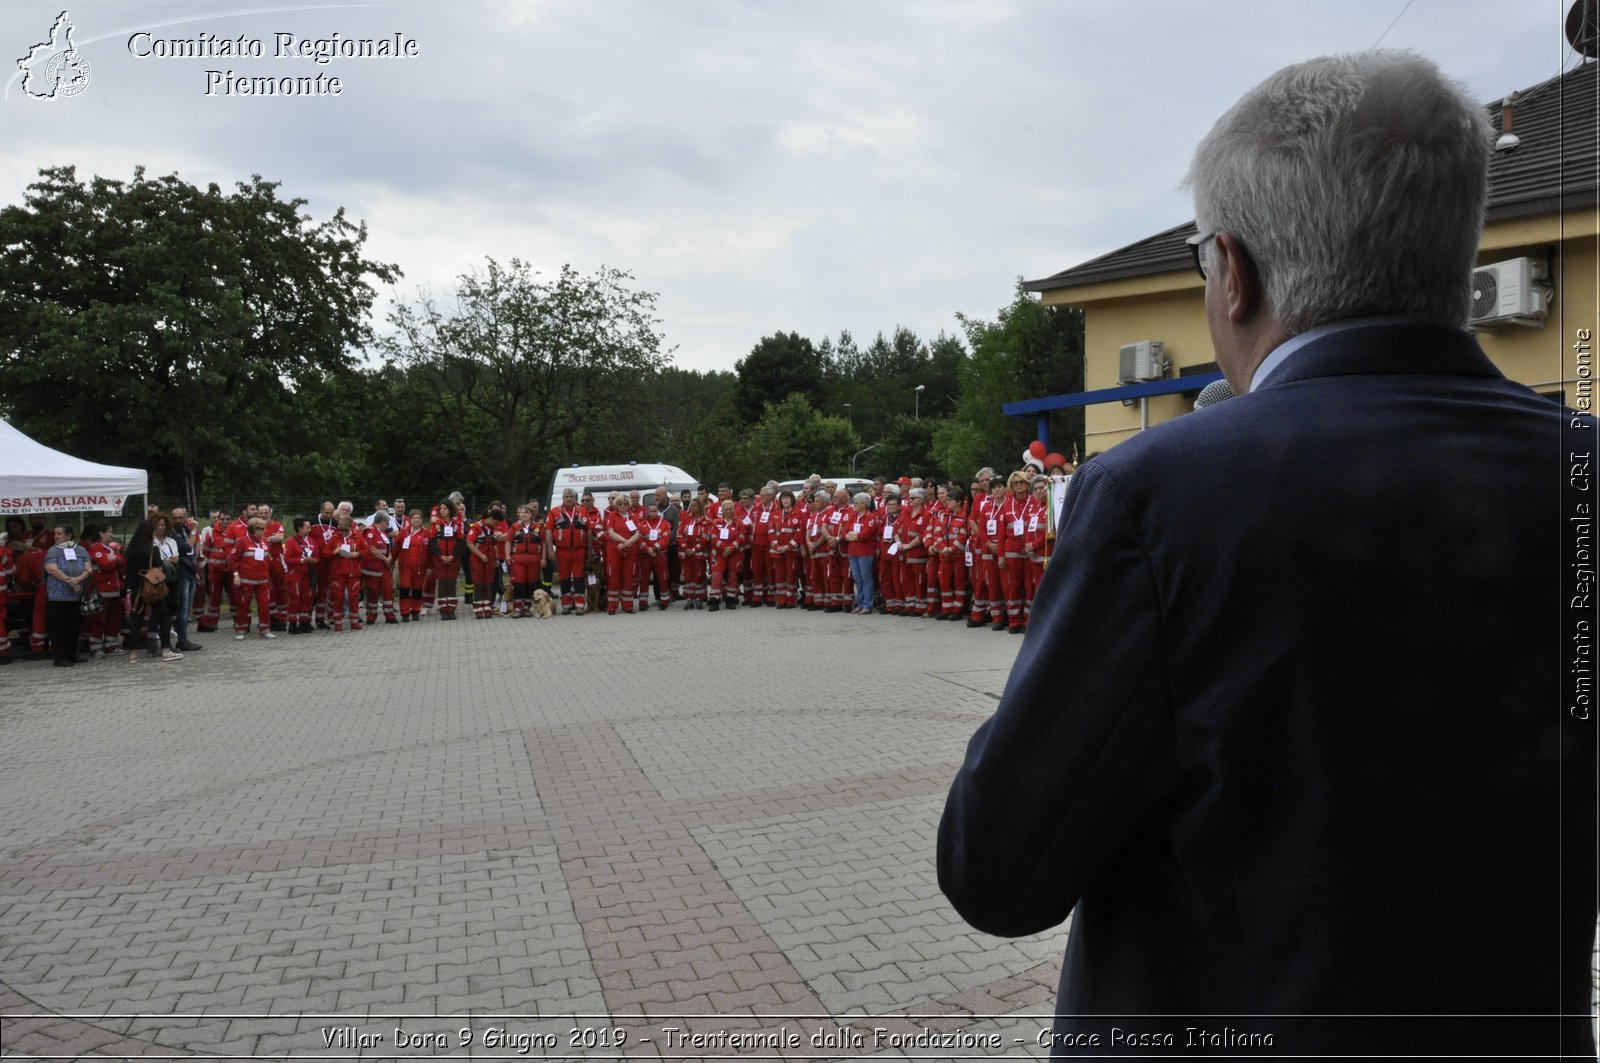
x=239, y=637
x=268, y=635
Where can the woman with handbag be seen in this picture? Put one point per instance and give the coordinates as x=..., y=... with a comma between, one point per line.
x=66, y=570
x=148, y=576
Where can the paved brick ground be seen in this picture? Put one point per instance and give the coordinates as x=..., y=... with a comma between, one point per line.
x=519, y=829
x=681, y=820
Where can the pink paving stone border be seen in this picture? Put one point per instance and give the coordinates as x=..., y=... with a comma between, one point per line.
x=667, y=937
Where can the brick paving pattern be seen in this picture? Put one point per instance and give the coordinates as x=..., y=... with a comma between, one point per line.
x=721, y=825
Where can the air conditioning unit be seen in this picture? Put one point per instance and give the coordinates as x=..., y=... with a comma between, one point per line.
x=1513, y=292
x=1142, y=361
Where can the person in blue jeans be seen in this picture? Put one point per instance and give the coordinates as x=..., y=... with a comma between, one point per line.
x=861, y=546
x=186, y=577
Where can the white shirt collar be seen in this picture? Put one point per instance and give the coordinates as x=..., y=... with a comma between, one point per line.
x=1283, y=351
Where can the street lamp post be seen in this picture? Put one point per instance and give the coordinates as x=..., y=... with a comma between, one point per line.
x=848, y=412
x=918, y=401
x=858, y=454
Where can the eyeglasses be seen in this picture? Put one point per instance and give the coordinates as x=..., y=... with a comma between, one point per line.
x=1196, y=242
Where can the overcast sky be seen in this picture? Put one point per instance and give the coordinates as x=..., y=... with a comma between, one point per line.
x=805, y=166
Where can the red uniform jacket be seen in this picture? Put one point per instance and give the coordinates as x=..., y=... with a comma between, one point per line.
x=657, y=535
x=446, y=538
x=107, y=561
x=527, y=542
x=342, y=551
x=377, y=550
x=298, y=554
x=411, y=547
x=569, y=527
x=789, y=532
x=245, y=561
x=693, y=535
x=1013, y=525
x=865, y=527
x=620, y=523
x=728, y=535
x=763, y=523
x=910, y=528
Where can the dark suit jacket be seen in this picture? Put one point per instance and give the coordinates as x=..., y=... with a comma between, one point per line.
x=1288, y=736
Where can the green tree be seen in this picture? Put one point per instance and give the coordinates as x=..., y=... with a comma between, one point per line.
x=1030, y=351
x=776, y=367
x=528, y=374
x=202, y=335
x=793, y=439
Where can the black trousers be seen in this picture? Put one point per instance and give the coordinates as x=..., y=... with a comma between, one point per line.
x=158, y=628
x=64, y=622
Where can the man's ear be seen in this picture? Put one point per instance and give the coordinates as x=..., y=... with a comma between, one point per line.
x=1241, y=287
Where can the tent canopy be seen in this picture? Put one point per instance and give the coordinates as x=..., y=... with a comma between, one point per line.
x=36, y=479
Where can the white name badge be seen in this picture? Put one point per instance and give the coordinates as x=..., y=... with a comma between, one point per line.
x=894, y=548
x=449, y=531
x=260, y=553
x=993, y=527
x=1033, y=523
x=632, y=526
x=969, y=558
x=405, y=544
x=593, y=579
x=69, y=553
x=1016, y=526
x=888, y=532
x=764, y=516
x=723, y=534
x=653, y=534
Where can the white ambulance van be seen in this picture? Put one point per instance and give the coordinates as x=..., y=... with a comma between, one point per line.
x=603, y=479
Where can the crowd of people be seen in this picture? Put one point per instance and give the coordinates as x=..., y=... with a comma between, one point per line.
x=903, y=548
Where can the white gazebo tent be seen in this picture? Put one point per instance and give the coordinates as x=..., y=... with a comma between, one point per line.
x=36, y=479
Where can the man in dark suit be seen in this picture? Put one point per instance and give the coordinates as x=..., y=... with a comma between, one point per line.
x=1288, y=737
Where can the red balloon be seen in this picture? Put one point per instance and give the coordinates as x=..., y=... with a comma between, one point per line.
x=1037, y=449
x=1052, y=460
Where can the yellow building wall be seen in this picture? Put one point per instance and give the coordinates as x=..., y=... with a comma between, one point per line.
x=1170, y=307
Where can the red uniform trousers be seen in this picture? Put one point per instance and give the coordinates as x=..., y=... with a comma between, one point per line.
x=782, y=569
x=38, y=637
x=443, y=575
x=430, y=589
x=913, y=581
x=889, y=575
x=1011, y=578
x=105, y=627
x=692, y=572
x=260, y=590
x=483, y=574
x=813, y=567
x=322, y=587
x=280, y=592
x=526, y=570
x=987, y=595
x=344, y=594
x=930, y=590
x=953, y=582
x=411, y=581
x=725, y=574
x=656, y=568
x=378, y=587
x=297, y=595
x=835, y=578
x=760, y=573
x=569, y=570
x=620, y=565
x=219, y=581
x=1032, y=573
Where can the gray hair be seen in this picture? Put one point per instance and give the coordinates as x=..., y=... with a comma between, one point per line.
x=862, y=497
x=821, y=496
x=1356, y=185
x=917, y=492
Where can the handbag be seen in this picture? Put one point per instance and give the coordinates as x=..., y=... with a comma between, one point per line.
x=91, y=604
x=155, y=586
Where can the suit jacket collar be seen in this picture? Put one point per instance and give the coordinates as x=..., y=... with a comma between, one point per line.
x=1412, y=347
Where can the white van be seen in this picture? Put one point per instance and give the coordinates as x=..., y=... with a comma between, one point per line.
x=604, y=479
x=849, y=483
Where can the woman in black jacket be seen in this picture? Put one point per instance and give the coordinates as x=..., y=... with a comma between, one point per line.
x=148, y=550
